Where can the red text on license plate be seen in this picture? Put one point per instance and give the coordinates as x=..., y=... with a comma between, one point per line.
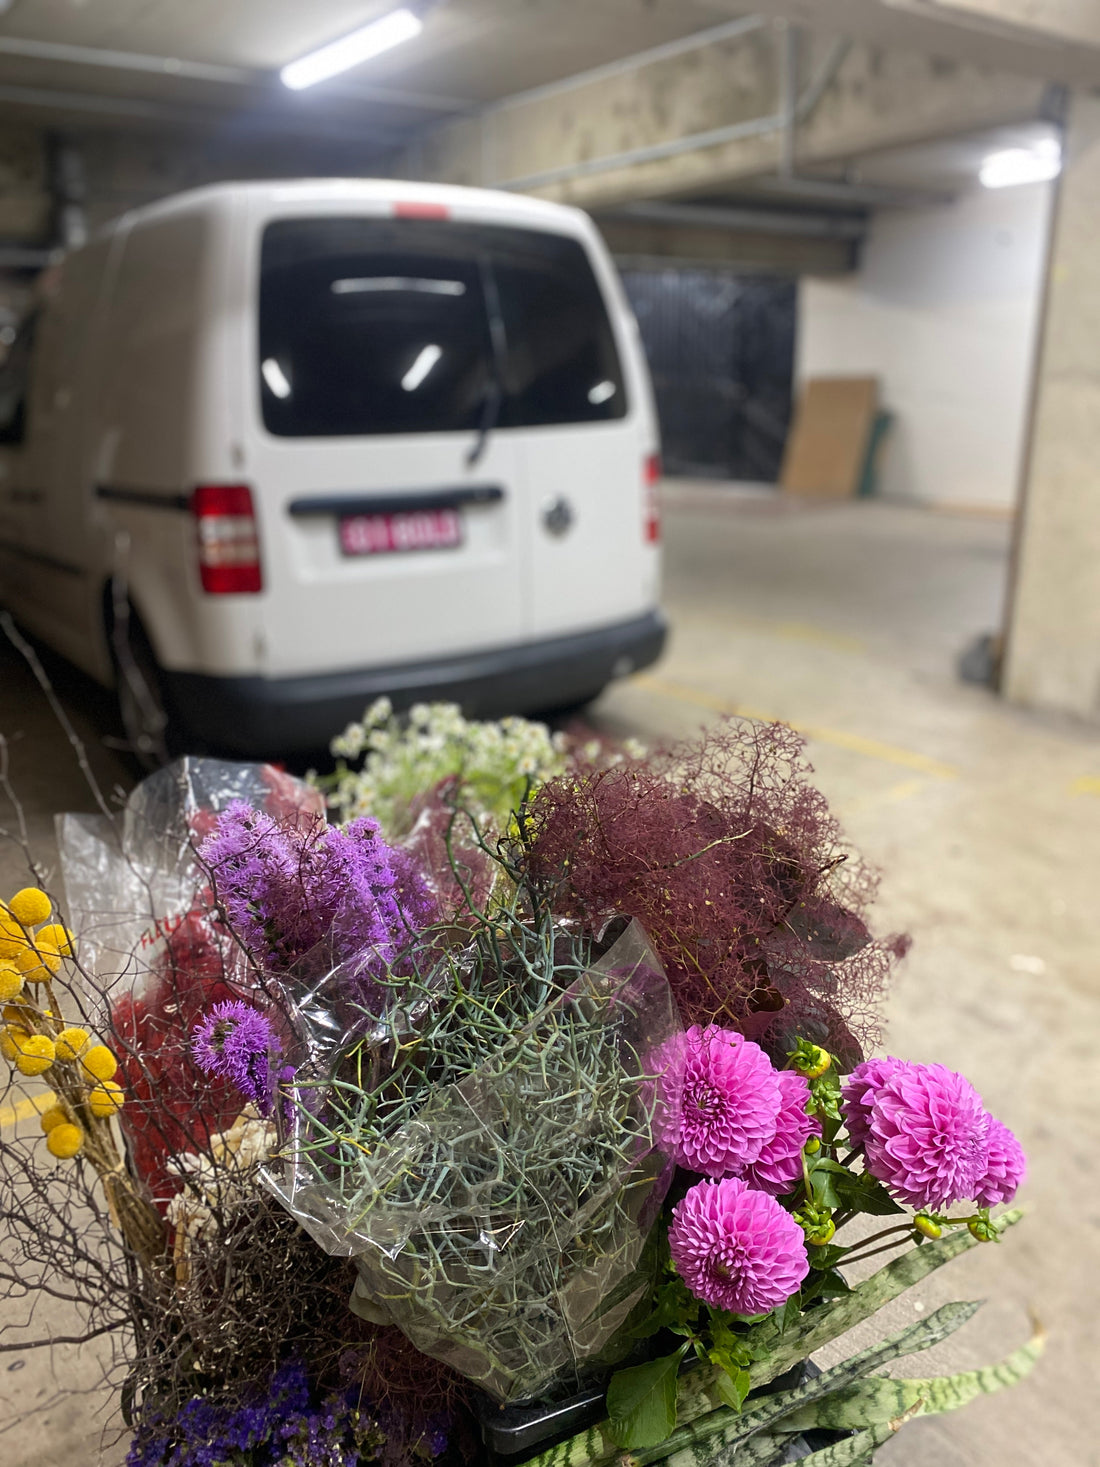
x=408, y=529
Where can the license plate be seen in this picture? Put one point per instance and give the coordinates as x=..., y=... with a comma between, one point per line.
x=412, y=529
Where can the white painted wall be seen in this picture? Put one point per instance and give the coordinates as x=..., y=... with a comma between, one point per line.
x=944, y=309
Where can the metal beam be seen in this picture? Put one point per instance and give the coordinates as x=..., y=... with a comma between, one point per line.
x=746, y=220
x=292, y=124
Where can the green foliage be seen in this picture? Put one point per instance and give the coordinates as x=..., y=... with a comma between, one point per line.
x=641, y=1401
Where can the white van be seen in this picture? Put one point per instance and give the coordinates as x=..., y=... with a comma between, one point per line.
x=285, y=447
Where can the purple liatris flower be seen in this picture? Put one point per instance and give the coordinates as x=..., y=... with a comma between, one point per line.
x=779, y=1165
x=308, y=893
x=1006, y=1168
x=736, y=1248
x=237, y=1042
x=927, y=1136
x=719, y=1100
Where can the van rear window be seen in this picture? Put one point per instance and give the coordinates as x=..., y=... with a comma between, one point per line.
x=422, y=326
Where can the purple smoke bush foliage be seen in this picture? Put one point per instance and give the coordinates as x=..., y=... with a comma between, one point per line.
x=308, y=896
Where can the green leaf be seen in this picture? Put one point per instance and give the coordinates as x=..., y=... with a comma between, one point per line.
x=864, y=1193
x=827, y=1257
x=878, y=1400
x=733, y=1387
x=641, y=1401
x=673, y=1305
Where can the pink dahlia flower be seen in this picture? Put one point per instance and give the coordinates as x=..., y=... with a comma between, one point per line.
x=928, y=1138
x=779, y=1165
x=1006, y=1169
x=719, y=1100
x=858, y=1094
x=736, y=1248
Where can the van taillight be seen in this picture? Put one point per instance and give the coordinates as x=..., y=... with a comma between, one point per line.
x=229, y=547
x=651, y=508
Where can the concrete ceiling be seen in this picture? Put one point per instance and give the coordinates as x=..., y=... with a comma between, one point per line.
x=212, y=56
x=117, y=62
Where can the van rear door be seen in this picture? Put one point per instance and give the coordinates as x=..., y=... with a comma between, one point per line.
x=576, y=408
x=385, y=538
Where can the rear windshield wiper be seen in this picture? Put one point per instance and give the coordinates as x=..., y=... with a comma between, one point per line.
x=498, y=342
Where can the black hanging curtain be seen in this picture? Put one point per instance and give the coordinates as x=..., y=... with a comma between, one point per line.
x=721, y=351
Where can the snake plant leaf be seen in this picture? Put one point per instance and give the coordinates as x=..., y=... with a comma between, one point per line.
x=698, y=1394
x=729, y=1428
x=871, y=1402
x=854, y=1450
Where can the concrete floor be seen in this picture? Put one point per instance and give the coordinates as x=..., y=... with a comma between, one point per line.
x=846, y=621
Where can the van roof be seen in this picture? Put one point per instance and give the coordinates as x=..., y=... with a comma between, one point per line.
x=279, y=193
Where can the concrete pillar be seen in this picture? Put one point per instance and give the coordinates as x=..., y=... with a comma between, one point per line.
x=1052, y=651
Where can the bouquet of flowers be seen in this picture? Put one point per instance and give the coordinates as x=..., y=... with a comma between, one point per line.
x=525, y=1116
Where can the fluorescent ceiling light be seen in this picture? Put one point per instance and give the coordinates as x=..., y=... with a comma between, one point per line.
x=359, y=284
x=1022, y=165
x=424, y=363
x=275, y=377
x=361, y=45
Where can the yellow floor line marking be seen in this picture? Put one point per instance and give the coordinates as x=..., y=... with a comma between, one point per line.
x=839, y=738
x=22, y=1110
x=1088, y=784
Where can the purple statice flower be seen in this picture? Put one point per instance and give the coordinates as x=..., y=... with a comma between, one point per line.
x=928, y=1136
x=779, y=1165
x=236, y=1041
x=307, y=893
x=735, y=1248
x=858, y=1094
x=719, y=1100
x=282, y=1424
x=1006, y=1167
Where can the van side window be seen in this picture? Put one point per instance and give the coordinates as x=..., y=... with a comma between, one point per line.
x=14, y=378
x=374, y=326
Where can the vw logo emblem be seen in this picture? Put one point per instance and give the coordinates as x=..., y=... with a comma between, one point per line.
x=557, y=516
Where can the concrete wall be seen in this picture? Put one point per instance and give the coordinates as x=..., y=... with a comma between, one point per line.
x=945, y=310
x=1052, y=657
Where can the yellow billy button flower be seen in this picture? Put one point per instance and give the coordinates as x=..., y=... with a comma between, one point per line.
x=36, y=1054
x=59, y=938
x=57, y=1115
x=9, y=1042
x=30, y=906
x=105, y=1098
x=100, y=1062
x=11, y=980
x=65, y=1140
x=12, y=937
x=38, y=963
x=71, y=1043
x=926, y=1226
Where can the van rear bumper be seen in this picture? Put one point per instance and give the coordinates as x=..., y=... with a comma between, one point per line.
x=273, y=716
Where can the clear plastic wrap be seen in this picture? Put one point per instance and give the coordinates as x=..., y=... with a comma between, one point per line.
x=131, y=882
x=156, y=955
x=482, y=1148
